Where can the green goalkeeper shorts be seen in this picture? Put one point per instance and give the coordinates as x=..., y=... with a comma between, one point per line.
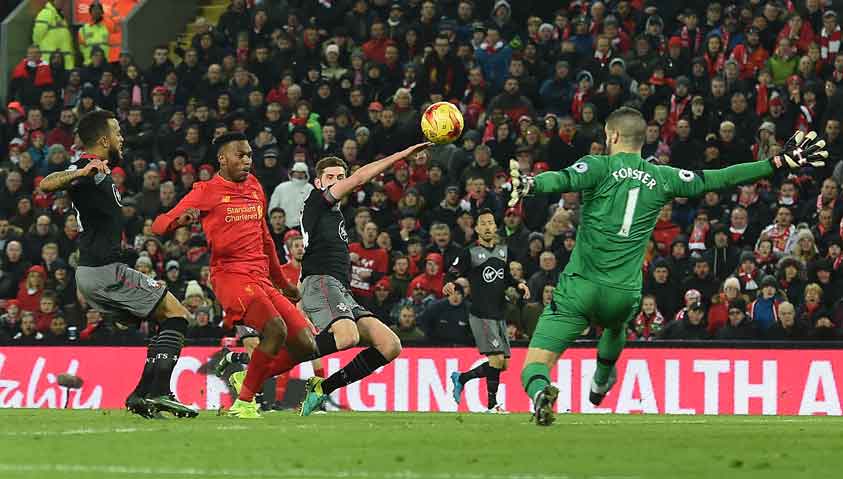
x=578, y=302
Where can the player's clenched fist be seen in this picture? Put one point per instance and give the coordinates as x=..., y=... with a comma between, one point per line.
x=190, y=216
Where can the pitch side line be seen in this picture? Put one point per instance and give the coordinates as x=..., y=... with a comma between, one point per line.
x=297, y=473
x=118, y=430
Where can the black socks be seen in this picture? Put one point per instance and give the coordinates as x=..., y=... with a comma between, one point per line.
x=493, y=380
x=361, y=366
x=167, y=348
x=478, y=372
x=148, y=370
x=325, y=344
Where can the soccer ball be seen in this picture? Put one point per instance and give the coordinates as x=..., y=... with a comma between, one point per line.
x=442, y=123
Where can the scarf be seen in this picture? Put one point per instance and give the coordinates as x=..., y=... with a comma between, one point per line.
x=736, y=234
x=830, y=44
x=714, y=65
x=580, y=98
x=685, y=36
x=762, y=100
x=602, y=58
x=697, y=239
x=748, y=279
x=491, y=48
x=647, y=326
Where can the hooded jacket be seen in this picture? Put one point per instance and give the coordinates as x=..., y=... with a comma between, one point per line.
x=290, y=196
x=431, y=283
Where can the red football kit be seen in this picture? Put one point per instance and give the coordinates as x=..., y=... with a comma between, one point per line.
x=243, y=255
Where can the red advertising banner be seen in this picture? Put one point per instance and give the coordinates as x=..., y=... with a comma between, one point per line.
x=656, y=381
x=114, y=11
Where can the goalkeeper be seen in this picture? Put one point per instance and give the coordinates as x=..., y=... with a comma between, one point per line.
x=622, y=195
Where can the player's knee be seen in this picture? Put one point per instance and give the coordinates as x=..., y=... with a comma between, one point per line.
x=497, y=361
x=305, y=345
x=275, y=329
x=390, y=347
x=170, y=307
x=345, y=334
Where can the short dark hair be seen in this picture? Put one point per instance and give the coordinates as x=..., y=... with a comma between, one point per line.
x=328, y=162
x=484, y=211
x=93, y=126
x=226, y=138
x=629, y=123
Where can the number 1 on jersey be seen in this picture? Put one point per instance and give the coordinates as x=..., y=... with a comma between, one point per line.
x=629, y=212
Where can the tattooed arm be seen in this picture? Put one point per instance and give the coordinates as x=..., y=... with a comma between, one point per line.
x=61, y=180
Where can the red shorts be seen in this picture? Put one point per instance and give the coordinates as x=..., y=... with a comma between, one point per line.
x=254, y=301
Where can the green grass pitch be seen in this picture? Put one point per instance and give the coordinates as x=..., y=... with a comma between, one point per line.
x=113, y=444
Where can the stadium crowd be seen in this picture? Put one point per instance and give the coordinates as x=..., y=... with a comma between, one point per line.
x=719, y=83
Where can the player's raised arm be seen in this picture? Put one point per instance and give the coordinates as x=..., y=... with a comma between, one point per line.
x=61, y=180
x=801, y=150
x=365, y=174
x=186, y=212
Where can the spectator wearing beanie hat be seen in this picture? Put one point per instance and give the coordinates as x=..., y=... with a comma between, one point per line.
x=739, y=326
x=690, y=327
x=764, y=310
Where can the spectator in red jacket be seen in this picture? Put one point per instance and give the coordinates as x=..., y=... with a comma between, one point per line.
x=395, y=188
x=31, y=289
x=375, y=48
x=29, y=77
x=369, y=263
x=63, y=133
x=433, y=278
x=48, y=309
x=666, y=230
x=798, y=31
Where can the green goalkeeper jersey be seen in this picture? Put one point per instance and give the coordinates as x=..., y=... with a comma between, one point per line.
x=622, y=196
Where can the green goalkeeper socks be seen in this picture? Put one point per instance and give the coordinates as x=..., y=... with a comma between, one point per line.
x=609, y=349
x=534, y=377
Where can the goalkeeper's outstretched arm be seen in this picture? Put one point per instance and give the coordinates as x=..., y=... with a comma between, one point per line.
x=801, y=150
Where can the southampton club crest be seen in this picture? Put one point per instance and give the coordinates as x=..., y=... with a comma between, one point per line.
x=117, y=196
x=341, y=231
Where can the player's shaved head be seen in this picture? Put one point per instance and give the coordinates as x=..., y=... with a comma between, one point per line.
x=625, y=127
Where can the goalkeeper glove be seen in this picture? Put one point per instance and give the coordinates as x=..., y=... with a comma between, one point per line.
x=801, y=150
x=521, y=185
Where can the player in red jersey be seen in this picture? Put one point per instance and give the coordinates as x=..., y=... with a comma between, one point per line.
x=231, y=207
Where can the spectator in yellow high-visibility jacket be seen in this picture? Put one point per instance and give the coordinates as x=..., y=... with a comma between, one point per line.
x=52, y=34
x=94, y=34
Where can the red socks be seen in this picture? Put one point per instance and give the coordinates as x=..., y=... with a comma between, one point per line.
x=281, y=363
x=257, y=373
x=281, y=386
